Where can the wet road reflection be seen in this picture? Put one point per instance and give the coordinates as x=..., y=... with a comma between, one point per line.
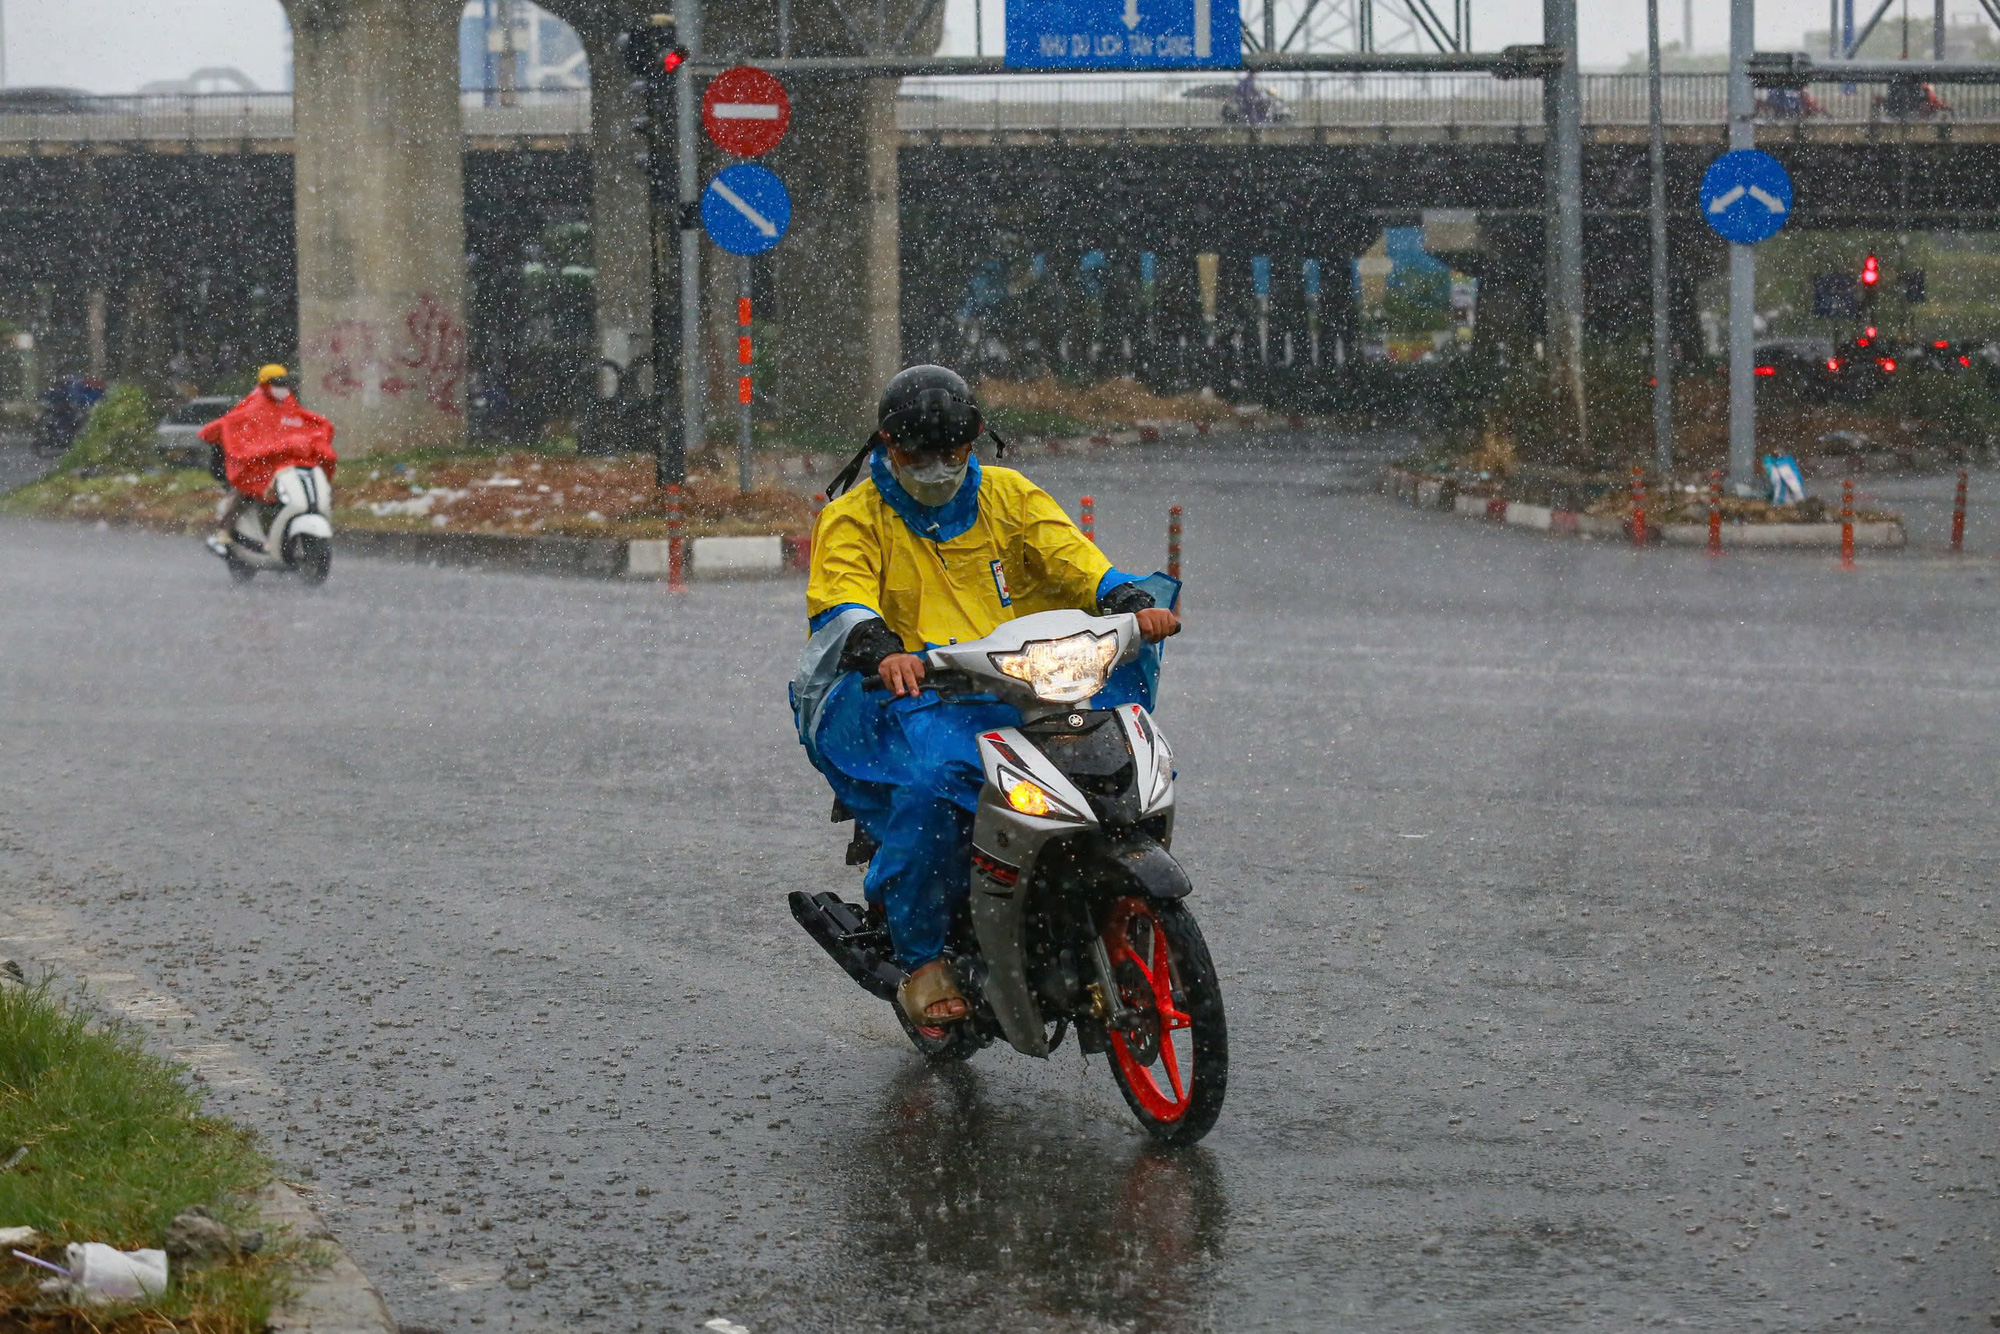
x=957, y=1213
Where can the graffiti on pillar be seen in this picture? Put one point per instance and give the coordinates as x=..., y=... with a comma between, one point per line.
x=428, y=357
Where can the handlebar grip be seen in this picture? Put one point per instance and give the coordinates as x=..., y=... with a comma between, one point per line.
x=873, y=683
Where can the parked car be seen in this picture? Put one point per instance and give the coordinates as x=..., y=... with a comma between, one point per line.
x=176, y=437
x=1805, y=369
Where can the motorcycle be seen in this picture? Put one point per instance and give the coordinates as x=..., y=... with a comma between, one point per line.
x=291, y=532
x=1077, y=917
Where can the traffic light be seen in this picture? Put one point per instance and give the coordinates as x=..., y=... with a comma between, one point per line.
x=658, y=63
x=652, y=52
x=1871, y=278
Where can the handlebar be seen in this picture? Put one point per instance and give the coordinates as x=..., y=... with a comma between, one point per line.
x=943, y=680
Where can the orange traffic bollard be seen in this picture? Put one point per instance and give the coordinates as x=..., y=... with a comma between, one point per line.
x=1638, y=506
x=676, y=547
x=1958, y=518
x=1847, y=523
x=1715, y=512
x=1173, y=541
x=1088, y=519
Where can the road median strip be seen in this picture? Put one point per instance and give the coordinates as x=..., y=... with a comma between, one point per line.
x=1443, y=494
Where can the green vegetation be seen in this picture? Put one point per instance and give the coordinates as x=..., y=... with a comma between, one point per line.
x=118, y=434
x=109, y=1143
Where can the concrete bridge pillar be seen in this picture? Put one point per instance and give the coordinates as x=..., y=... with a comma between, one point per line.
x=839, y=291
x=381, y=223
x=618, y=222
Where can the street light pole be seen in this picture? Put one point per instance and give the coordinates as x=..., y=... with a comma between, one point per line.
x=1656, y=153
x=1742, y=260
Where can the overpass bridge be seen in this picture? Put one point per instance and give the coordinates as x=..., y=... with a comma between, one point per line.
x=1296, y=110
x=105, y=195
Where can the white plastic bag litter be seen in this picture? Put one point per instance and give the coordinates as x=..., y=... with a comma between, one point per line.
x=99, y=1273
x=1788, y=486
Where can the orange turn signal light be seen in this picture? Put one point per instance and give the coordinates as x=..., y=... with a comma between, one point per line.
x=1028, y=799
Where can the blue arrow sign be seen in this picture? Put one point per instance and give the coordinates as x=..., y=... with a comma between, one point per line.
x=1746, y=196
x=1123, y=34
x=746, y=209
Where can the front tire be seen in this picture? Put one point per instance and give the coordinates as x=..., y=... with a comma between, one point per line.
x=312, y=557
x=1172, y=1064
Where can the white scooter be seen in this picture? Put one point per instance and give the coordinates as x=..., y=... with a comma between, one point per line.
x=293, y=532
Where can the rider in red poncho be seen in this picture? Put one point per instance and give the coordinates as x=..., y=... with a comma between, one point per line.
x=267, y=431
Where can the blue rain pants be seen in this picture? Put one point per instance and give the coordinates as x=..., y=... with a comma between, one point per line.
x=909, y=771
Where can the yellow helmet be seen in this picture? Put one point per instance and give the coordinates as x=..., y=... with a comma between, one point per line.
x=274, y=371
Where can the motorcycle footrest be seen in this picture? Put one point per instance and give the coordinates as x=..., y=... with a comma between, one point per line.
x=862, y=953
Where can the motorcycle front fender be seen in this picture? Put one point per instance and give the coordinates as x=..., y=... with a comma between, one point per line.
x=310, y=525
x=1155, y=870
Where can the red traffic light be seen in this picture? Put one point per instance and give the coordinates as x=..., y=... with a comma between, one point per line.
x=675, y=58
x=1871, y=271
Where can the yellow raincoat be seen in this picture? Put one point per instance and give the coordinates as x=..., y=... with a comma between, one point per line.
x=1019, y=554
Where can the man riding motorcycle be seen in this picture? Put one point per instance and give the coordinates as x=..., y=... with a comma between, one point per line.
x=267, y=431
x=930, y=549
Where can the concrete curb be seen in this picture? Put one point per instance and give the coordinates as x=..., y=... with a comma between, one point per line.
x=764, y=557
x=335, y=1298
x=1434, y=493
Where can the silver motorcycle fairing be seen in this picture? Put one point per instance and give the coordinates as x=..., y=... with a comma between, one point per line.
x=1152, y=760
x=1005, y=843
x=1007, y=846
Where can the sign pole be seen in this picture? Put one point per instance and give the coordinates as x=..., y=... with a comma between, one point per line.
x=1742, y=260
x=1656, y=154
x=744, y=394
x=688, y=15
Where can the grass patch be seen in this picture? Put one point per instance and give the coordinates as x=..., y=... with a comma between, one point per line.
x=116, y=1144
x=520, y=493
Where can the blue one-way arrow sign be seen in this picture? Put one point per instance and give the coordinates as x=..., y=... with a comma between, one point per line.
x=746, y=209
x=1123, y=34
x=1746, y=196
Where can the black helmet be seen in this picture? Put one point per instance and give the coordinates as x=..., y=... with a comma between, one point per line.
x=928, y=408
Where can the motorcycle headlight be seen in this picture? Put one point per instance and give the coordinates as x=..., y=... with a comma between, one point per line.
x=1062, y=671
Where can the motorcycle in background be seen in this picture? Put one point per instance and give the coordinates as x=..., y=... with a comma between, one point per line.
x=292, y=533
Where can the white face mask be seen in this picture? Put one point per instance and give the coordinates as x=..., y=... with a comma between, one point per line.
x=280, y=393
x=934, y=481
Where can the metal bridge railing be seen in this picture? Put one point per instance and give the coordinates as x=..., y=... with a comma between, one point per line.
x=1002, y=103
x=187, y=117
x=1349, y=101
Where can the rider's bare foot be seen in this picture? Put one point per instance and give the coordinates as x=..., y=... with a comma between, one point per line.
x=931, y=998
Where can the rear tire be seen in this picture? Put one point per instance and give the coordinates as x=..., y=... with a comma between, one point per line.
x=1174, y=1074
x=312, y=557
x=240, y=571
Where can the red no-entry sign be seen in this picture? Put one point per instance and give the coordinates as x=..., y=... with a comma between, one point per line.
x=745, y=111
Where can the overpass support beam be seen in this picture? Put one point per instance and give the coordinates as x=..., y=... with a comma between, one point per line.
x=619, y=223
x=839, y=270
x=381, y=222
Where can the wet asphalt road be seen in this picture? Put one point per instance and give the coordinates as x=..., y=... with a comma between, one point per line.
x=1609, y=939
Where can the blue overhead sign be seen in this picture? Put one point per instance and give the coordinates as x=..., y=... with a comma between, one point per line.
x=746, y=209
x=1746, y=196
x=1123, y=34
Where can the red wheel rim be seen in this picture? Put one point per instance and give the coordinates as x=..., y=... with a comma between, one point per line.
x=1135, y=937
